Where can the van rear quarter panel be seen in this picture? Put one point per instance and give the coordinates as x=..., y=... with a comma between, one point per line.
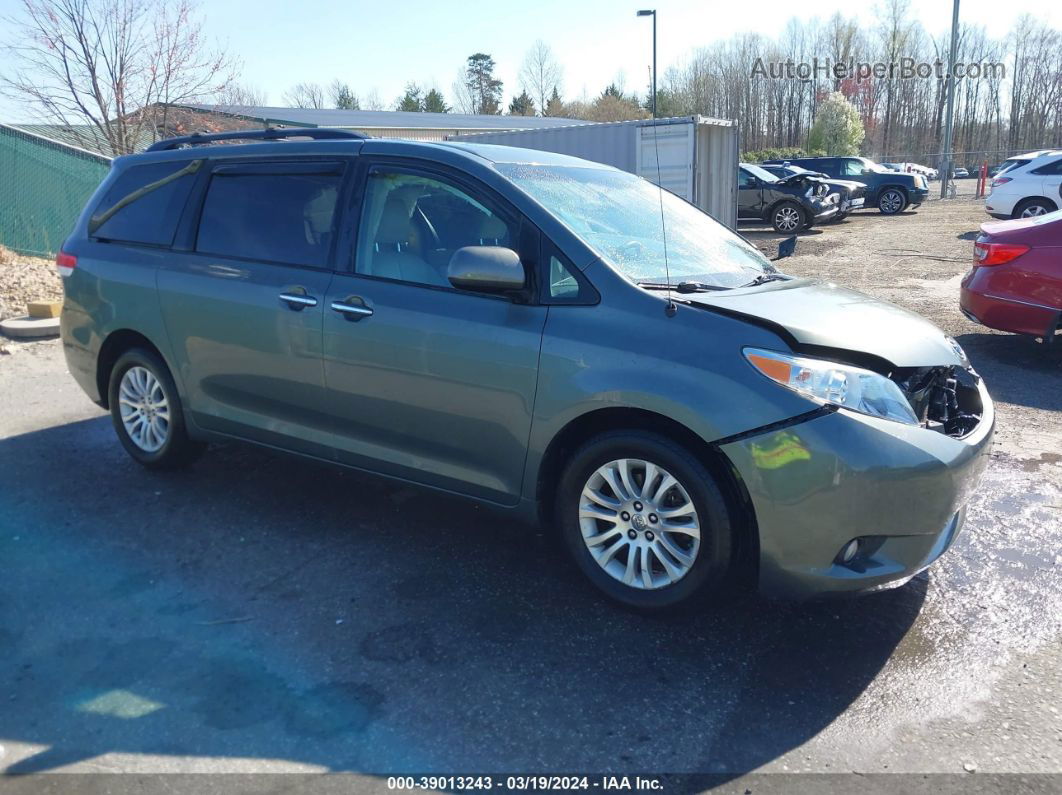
x=111, y=289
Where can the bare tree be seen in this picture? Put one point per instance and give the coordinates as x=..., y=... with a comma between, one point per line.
x=465, y=98
x=540, y=74
x=241, y=94
x=115, y=66
x=305, y=95
x=373, y=101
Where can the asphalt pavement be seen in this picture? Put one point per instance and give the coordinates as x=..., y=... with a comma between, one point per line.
x=261, y=613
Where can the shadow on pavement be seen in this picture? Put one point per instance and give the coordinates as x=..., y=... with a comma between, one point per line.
x=259, y=607
x=1017, y=369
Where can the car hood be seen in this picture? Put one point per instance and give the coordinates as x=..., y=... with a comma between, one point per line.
x=823, y=315
x=851, y=184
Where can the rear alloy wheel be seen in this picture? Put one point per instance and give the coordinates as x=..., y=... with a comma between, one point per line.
x=1030, y=208
x=892, y=201
x=146, y=412
x=644, y=520
x=788, y=217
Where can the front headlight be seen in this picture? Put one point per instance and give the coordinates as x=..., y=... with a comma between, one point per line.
x=840, y=384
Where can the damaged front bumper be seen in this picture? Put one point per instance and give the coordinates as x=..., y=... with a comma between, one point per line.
x=898, y=490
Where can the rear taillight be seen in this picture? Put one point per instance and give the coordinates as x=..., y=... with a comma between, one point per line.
x=65, y=263
x=1001, y=181
x=997, y=253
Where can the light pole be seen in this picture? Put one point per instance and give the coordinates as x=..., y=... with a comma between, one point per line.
x=945, y=178
x=652, y=13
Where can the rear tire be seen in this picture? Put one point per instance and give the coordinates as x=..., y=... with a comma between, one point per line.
x=1030, y=208
x=677, y=541
x=147, y=414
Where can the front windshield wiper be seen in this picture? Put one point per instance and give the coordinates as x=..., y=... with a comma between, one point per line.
x=683, y=287
x=763, y=278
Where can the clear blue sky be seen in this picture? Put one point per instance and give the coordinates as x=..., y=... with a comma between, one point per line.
x=381, y=45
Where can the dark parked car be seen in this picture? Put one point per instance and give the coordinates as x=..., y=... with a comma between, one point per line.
x=890, y=191
x=850, y=194
x=1016, y=280
x=555, y=338
x=788, y=204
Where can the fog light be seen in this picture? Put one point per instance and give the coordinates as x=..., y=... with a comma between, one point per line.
x=849, y=551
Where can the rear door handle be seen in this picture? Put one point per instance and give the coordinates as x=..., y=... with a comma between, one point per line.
x=351, y=311
x=297, y=301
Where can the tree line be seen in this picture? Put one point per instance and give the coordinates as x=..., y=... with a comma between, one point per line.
x=118, y=66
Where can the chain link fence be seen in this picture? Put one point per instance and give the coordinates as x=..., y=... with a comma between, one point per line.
x=43, y=186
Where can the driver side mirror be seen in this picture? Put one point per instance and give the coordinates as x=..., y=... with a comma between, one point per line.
x=486, y=269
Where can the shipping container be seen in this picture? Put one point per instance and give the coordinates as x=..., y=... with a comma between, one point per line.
x=694, y=157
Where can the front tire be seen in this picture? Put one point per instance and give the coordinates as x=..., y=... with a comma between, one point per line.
x=892, y=201
x=146, y=412
x=644, y=520
x=788, y=218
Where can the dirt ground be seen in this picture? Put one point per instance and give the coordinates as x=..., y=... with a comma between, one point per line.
x=24, y=279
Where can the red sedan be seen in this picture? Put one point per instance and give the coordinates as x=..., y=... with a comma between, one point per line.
x=1016, y=280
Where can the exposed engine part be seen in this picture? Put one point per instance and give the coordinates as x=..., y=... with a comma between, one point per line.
x=944, y=399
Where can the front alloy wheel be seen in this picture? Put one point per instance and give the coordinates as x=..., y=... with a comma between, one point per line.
x=891, y=202
x=639, y=523
x=645, y=520
x=787, y=218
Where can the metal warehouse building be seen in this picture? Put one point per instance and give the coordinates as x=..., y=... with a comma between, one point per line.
x=694, y=157
x=381, y=123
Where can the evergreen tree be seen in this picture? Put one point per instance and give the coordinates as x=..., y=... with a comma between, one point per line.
x=522, y=105
x=342, y=97
x=434, y=102
x=484, y=89
x=411, y=101
x=555, y=106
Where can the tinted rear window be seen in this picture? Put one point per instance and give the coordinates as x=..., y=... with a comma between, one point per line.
x=144, y=203
x=1012, y=163
x=273, y=217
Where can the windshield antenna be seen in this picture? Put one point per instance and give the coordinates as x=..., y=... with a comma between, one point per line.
x=670, y=310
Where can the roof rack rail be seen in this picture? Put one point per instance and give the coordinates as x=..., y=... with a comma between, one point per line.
x=268, y=134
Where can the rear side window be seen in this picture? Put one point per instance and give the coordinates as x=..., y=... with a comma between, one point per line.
x=1011, y=164
x=271, y=214
x=852, y=168
x=1049, y=169
x=144, y=203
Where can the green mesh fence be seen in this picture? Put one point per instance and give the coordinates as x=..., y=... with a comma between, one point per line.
x=43, y=186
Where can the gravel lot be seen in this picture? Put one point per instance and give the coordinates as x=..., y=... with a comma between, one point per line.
x=258, y=613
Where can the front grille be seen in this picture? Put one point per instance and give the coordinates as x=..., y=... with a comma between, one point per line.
x=945, y=399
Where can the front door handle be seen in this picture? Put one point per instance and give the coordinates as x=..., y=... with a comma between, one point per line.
x=351, y=311
x=297, y=301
